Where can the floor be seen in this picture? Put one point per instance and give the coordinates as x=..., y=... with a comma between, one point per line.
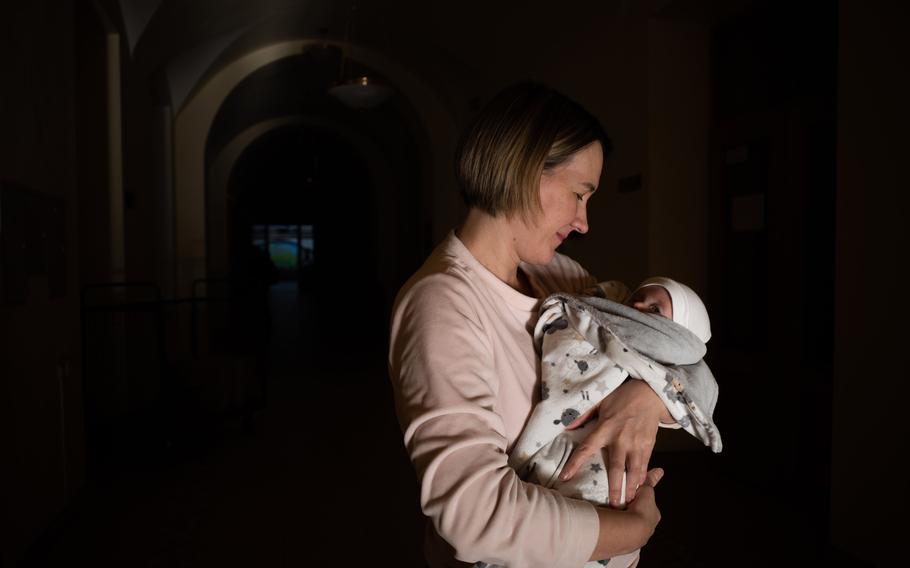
x=321, y=476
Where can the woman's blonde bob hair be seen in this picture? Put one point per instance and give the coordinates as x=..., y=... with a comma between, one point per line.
x=526, y=130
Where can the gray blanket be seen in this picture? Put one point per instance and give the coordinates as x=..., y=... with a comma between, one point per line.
x=657, y=338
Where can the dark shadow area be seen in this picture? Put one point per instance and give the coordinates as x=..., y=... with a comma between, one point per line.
x=323, y=461
x=772, y=270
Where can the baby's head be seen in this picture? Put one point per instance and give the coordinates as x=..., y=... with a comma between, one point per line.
x=668, y=298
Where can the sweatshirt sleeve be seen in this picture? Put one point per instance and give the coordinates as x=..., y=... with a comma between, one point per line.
x=441, y=368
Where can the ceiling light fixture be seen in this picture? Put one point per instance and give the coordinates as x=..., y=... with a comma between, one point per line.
x=362, y=91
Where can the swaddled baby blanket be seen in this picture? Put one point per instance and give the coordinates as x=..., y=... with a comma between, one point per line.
x=589, y=346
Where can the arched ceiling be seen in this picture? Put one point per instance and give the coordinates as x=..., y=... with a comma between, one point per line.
x=180, y=41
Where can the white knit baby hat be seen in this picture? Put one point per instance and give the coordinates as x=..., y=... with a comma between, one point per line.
x=688, y=309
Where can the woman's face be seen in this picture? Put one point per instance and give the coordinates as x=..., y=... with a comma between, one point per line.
x=564, y=195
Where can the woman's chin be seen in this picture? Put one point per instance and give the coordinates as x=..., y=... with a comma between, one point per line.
x=544, y=257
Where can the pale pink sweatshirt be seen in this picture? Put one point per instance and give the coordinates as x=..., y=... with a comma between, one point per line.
x=465, y=377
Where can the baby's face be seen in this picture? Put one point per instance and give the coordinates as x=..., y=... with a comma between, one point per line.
x=654, y=300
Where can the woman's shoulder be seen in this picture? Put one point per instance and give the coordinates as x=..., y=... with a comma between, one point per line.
x=437, y=300
x=442, y=278
x=436, y=282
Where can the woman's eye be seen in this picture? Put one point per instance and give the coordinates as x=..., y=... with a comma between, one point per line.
x=579, y=196
x=655, y=309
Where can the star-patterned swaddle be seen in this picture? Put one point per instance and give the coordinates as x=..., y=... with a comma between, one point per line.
x=588, y=347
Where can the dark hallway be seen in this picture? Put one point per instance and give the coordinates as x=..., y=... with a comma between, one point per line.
x=267, y=497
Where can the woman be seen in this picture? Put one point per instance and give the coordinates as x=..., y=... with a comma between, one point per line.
x=463, y=364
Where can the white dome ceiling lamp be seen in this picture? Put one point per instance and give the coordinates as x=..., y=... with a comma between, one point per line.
x=359, y=92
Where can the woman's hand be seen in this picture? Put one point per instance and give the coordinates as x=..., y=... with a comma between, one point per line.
x=626, y=428
x=621, y=532
x=644, y=506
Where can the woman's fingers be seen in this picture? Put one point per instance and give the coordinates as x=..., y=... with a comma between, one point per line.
x=616, y=465
x=645, y=506
x=582, y=419
x=653, y=477
x=645, y=503
x=580, y=455
x=635, y=475
x=637, y=464
x=592, y=444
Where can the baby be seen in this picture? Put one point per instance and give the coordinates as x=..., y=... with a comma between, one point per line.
x=657, y=296
x=589, y=346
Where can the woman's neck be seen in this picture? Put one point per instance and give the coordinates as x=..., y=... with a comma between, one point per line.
x=491, y=241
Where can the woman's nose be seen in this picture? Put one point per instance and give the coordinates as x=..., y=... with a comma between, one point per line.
x=581, y=220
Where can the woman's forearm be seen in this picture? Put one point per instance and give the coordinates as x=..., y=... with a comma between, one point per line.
x=620, y=532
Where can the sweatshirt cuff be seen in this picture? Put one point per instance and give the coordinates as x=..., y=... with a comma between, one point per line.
x=586, y=532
